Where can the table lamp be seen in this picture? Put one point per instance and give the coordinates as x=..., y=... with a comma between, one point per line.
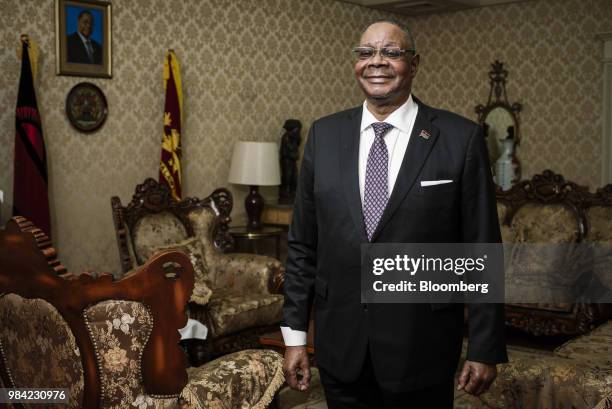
x=254, y=164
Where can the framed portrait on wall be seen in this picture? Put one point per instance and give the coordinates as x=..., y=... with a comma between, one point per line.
x=83, y=38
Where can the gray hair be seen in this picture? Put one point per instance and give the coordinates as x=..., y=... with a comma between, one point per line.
x=405, y=29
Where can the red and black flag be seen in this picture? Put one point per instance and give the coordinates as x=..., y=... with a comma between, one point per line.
x=170, y=164
x=30, y=198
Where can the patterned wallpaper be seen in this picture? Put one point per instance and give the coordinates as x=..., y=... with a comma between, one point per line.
x=555, y=71
x=249, y=65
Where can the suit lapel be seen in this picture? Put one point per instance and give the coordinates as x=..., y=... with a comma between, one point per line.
x=349, y=167
x=418, y=150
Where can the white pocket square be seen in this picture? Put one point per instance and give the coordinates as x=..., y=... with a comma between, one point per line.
x=435, y=182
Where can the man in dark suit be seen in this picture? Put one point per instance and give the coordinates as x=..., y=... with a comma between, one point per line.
x=82, y=49
x=393, y=170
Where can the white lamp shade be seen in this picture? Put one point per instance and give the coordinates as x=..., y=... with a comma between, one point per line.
x=255, y=164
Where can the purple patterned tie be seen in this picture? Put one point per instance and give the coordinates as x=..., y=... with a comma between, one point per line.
x=376, y=192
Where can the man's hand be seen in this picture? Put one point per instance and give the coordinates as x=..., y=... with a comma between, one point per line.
x=476, y=377
x=296, y=364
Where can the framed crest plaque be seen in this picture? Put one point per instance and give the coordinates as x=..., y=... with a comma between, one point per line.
x=86, y=107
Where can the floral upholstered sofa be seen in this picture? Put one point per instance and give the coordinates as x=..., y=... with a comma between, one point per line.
x=549, y=211
x=237, y=296
x=113, y=344
x=576, y=375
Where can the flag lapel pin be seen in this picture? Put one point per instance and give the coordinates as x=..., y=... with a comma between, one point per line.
x=424, y=134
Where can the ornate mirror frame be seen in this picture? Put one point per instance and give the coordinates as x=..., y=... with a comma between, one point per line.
x=498, y=98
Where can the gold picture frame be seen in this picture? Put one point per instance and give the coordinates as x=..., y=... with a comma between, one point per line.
x=83, y=38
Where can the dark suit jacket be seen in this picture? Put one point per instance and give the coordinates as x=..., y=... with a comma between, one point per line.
x=77, y=53
x=411, y=345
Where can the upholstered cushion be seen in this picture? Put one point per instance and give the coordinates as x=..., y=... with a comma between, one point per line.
x=547, y=383
x=203, y=222
x=247, y=379
x=32, y=331
x=600, y=224
x=119, y=331
x=231, y=312
x=539, y=379
x=593, y=349
x=242, y=272
x=154, y=231
x=249, y=273
x=600, y=236
x=192, y=247
x=535, y=223
x=535, y=271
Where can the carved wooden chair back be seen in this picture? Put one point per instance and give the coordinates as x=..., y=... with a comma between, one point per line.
x=573, y=215
x=152, y=198
x=30, y=270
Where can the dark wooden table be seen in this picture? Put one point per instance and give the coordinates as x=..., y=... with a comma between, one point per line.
x=252, y=237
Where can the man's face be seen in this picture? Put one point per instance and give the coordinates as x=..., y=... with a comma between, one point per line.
x=386, y=81
x=85, y=25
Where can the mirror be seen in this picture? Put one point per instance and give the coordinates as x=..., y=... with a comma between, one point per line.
x=500, y=124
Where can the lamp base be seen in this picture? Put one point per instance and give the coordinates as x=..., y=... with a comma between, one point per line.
x=253, y=205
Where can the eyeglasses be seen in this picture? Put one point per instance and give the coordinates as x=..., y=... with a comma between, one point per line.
x=391, y=53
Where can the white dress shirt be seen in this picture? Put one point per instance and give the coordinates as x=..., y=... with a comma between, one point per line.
x=396, y=140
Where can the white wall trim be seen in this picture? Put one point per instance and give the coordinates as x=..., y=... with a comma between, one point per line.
x=606, y=169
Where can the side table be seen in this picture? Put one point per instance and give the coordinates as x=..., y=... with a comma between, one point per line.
x=252, y=237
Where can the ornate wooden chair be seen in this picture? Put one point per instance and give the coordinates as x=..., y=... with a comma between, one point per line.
x=549, y=209
x=112, y=343
x=237, y=296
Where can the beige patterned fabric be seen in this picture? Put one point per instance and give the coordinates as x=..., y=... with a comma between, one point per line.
x=39, y=349
x=593, y=349
x=547, y=383
x=192, y=247
x=119, y=331
x=508, y=235
x=535, y=223
x=542, y=272
x=243, y=272
x=155, y=231
x=230, y=312
x=599, y=236
x=539, y=379
x=600, y=224
x=202, y=221
x=247, y=380
x=605, y=403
